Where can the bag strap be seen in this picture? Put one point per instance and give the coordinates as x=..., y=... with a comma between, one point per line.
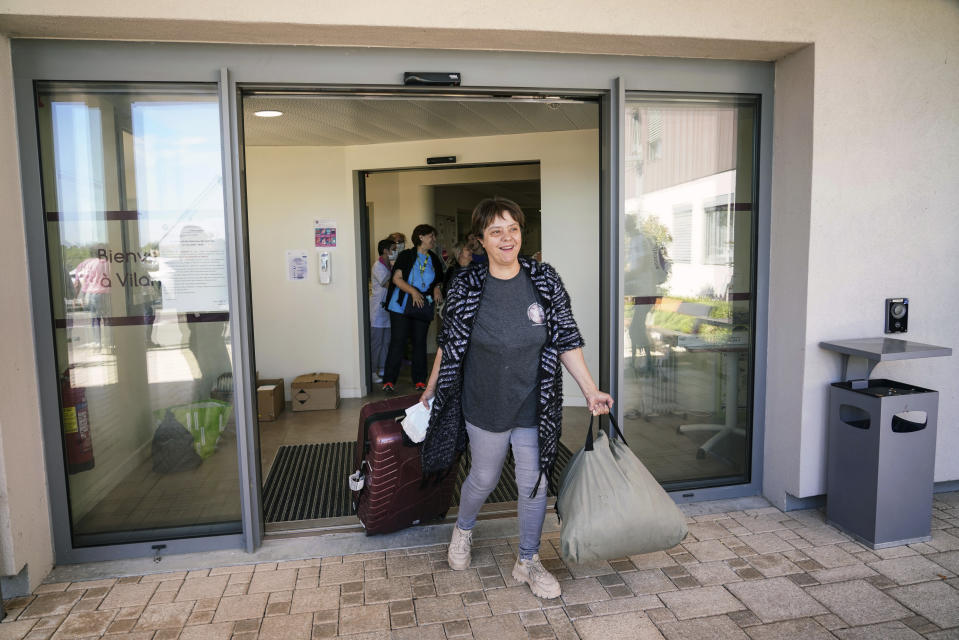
x=613, y=425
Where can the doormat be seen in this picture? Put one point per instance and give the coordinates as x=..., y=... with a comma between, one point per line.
x=309, y=481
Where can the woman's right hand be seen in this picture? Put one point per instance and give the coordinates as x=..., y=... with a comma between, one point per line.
x=418, y=300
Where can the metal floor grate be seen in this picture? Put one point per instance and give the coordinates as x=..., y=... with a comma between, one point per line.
x=309, y=481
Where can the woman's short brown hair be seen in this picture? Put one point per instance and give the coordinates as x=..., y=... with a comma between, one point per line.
x=489, y=208
x=421, y=230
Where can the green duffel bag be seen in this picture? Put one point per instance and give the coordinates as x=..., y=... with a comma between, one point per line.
x=610, y=506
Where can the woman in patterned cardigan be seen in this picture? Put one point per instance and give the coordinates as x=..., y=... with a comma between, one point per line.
x=497, y=383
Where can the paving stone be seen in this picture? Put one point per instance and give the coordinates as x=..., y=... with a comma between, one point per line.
x=943, y=541
x=707, y=531
x=221, y=631
x=457, y=582
x=911, y=569
x=200, y=617
x=713, y=573
x=504, y=627
x=858, y=603
x=831, y=621
x=582, y=591
x=714, y=628
x=948, y=634
x=240, y=607
x=804, y=628
x=772, y=565
x=515, y=599
x=199, y=588
x=457, y=629
x=831, y=556
x=744, y=618
x=240, y=568
x=478, y=610
x=589, y=569
x=243, y=626
x=540, y=632
x=698, y=603
x=440, y=609
x=266, y=581
x=660, y=614
x=937, y=601
x=885, y=631
x=655, y=560
x=948, y=560
x=82, y=625
x=802, y=579
x=646, y=582
x=340, y=573
x=164, y=616
x=622, y=626
x=404, y=566
x=277, y=609
x=428, y=632
x=389, y=590
x=364, y=619
x=842, y=574
x=749, y=573
x=51, y=604
x=776, y=599
x=531, y=618
x=766, y=543
x=15, y=629
x=709, y=551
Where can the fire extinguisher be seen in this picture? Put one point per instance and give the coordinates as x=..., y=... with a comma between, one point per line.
x=76, y=426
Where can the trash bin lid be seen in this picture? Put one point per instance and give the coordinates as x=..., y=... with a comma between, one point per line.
x=882, y=388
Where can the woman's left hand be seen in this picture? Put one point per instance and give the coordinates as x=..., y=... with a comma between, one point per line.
x=599, y=402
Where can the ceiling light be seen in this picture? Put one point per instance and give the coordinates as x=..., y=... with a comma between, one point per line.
x=268, y=113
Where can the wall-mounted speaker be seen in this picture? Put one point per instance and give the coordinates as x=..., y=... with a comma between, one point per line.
x=897, y=315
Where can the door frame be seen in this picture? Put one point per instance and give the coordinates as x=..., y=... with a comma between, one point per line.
x=235, y=67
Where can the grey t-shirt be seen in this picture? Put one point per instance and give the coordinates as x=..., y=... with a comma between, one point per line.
x=502, y=363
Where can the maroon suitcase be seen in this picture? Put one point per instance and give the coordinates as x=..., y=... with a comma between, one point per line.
x=394, y=495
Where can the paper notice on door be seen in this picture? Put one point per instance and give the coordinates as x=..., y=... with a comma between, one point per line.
x=297, y=265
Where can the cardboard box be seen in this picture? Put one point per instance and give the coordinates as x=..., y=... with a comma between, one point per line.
x=270, y=398
x=316, y=391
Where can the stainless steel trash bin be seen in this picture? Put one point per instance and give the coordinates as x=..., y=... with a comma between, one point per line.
x=882, y=450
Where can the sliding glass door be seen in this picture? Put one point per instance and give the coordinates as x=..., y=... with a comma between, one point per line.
x=688, y=306
x=136, y=249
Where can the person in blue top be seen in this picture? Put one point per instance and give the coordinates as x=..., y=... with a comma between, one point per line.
x=415, y=285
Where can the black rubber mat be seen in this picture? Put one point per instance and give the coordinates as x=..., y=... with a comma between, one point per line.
x=309, y=481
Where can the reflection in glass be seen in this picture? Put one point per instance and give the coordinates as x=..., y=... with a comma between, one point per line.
x=133, y=200
x=688, y=284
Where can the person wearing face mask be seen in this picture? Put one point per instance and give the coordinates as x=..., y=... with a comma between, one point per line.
x=497, y=384
x=399, y=242
x=415, y=287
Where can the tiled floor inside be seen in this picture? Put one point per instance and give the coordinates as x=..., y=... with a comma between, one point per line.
x=759, y=573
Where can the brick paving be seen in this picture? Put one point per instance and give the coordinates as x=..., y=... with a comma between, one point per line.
x=758, y=574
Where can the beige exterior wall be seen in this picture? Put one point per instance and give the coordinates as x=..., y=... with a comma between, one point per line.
x=864, y=165
x=25, y=538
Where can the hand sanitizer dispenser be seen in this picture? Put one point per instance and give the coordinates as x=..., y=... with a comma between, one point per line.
x=326, y=267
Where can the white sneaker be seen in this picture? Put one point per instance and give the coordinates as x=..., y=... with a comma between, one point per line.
x=461, y=543
x=541, y=582
x=377, y=378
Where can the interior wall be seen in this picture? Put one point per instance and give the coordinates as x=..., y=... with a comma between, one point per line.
x=405, y=199
x=305, y=326
x=25, y=539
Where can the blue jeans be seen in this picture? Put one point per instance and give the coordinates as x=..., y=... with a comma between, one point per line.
x=488, y=453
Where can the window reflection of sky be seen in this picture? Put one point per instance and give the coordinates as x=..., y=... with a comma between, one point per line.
x=177, y=166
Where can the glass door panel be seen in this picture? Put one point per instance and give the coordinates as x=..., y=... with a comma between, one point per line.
x=136, y=247
x=688, y=285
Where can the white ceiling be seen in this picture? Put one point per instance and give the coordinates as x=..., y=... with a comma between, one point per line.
x=320, y=121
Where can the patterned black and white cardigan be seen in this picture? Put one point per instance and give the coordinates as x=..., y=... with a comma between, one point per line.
x=446, y=437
